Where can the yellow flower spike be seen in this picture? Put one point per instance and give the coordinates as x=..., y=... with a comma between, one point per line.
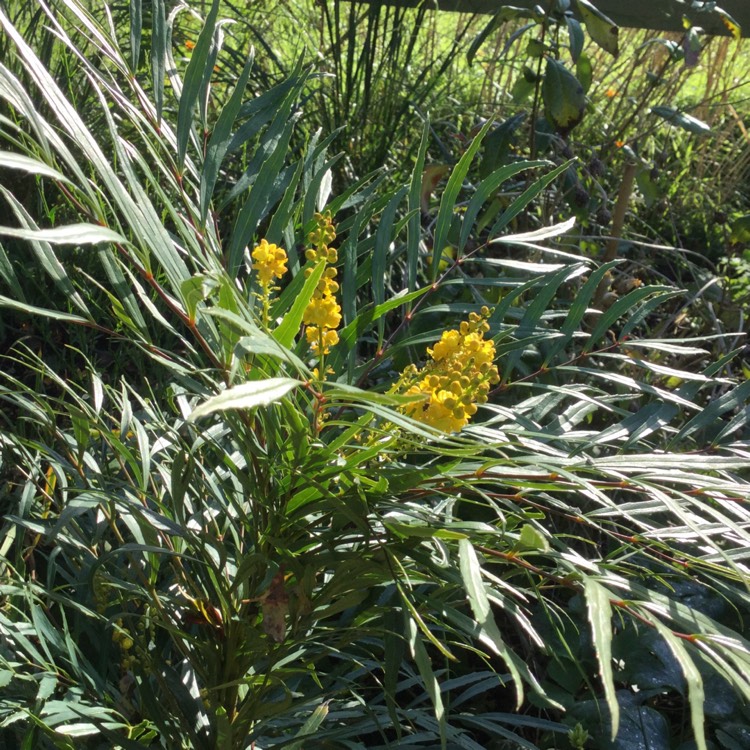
x=455, y=379
x=323, y=313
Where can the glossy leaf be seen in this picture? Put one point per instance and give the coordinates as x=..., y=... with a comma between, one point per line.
x=600, y=618
x=682, y=120
x=246, y=396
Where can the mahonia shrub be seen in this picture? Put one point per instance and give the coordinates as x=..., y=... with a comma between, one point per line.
x=460, y=370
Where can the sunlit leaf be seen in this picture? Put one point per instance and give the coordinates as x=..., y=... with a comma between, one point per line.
x=602, y=30
x=600, y=618
x=682, y=120
x=246, y=396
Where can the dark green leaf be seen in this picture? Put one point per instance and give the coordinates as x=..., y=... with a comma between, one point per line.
x=194, y=85
x=682, y=120
x=563, y=96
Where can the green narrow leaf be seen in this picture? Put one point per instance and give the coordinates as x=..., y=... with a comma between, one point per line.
x=621, y=307
x=544, y=296
x=735, y=399
x=394, y=648
x=285, y=332
x=246, y=396
x=471, y=574
x=311, y=725
x=535, y=235
x=32, y=166
x=577, y=310
x=526, y=197
x=255, y=203
x=47, y=258
x=319, y=187
x=424, y=666
x=505, y=13
x=136, y=29
x=696, y=694
x=158, y=53
x=450, y=195
x=576, y=38
x=352, y=332
x=350, y=263
x=122, y=291
x=193, y=85
x=414, y=227
x=383, y=239
x=9, y=275
x=263, y=108
x=221, y=136
x=71, y=234
x=486, y=189
x=682, y=120
x=585, y=71
x=531, y=538
x=739, y=420
x=260, y=343
x=278, y=109
x=282, y=216
x=643, y=311
x=600, y=617
x=497, y=145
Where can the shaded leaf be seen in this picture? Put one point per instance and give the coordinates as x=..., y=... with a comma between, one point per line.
x=563, y=96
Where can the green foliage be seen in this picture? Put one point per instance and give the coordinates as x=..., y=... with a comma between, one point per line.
x=207, y=544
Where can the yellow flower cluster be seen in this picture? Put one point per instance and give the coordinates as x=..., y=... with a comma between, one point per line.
x=323, y=315
x=269, y=262
x=457, y=377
